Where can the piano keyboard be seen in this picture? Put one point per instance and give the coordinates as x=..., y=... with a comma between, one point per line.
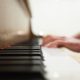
x=22, y=62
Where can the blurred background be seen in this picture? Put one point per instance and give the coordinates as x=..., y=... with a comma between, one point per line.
x=57, y=17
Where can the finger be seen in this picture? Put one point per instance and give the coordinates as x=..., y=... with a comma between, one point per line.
x=49, y=38
x=51, y=45
x=55, y=44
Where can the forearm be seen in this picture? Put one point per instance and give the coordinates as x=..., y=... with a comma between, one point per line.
x=77, y=36
x=72, y=46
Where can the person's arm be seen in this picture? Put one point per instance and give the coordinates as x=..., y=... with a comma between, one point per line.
x=77, y=36
x=72, y=44
x=49, y=38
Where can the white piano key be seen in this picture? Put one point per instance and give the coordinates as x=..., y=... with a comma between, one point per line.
x=60, y=65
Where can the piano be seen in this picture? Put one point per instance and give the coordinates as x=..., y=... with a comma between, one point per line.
x=26, y=61
x=22, y=61
x=29, y=61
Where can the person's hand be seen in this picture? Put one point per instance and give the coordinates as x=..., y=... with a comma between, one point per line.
x=56, y=42
x=50, y=39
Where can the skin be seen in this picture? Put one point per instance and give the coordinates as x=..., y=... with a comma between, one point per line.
x=72, y=43
x=75, y=46
x=48, y=39
x=77, y=36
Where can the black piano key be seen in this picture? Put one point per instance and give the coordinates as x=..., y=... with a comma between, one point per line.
x=13, y=54
x=27, y=47
x=19, y=53
x=22, y=68
x=19, y=50
x=22, y=50
x=21, y=62
x=20, y=58
x=22, y=76
x=26, y=71
x=34, y=41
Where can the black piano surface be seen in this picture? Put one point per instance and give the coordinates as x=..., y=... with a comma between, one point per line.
x=22, y=61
